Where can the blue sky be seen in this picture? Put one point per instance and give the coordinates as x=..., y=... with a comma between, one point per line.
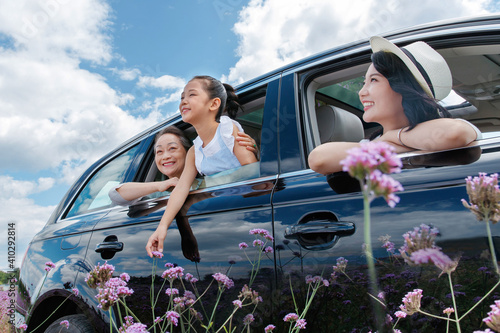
x=78, y=77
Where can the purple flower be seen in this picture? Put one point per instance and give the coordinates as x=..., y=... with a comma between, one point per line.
x=438, y=258
x=341, y=265
x=172, y=291
x=23, y=327
x=269, y=328
x=113, y=289
x=262, y=232
x=258, y=242
x=75, y=291
x=248, y=319
x=411, y=302
x=137, y=328
x=301, y=324
x=223, y=280
x=125, y=277
x=173, y=317
x=173, y=273
x=370, y=156
x=243, y=245
x=49, y=265
x=157, y=254
x=484, y=197
x=385, y=186
x=268, y=249
x=400, y=314
x=64, y=323
x=493, y=319
x=419, y=238
x=99, y=275
x=291, y=317
x=158, y=320
x=237, y=303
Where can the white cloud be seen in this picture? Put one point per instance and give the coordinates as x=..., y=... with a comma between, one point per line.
x=278, y=32
x=163, y=82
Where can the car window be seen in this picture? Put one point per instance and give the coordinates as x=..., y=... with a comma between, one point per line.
x=250, y=118
x=474, y=96
x=94, y=195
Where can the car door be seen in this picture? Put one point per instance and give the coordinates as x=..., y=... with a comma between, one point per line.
x=320, y=219
x=213, y=222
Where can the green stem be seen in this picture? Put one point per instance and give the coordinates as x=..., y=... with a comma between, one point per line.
x=482, y=299
x=434, y=316
x=369, y=254
x=454, y=303
x=492, y=247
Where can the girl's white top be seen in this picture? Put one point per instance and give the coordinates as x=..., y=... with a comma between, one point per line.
x=217, y=155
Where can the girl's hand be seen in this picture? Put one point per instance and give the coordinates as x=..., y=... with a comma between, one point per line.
x=166, y=184
x=246, y=141
x=155, y=242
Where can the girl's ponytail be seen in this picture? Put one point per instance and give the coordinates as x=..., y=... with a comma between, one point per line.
x=232, y=102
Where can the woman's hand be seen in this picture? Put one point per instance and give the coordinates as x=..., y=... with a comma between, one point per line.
x=166, y=184
x=246, y=141
x=155, y=242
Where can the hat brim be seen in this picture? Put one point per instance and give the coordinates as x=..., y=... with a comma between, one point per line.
x=381, y=44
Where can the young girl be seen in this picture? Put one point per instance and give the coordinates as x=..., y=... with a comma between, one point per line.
x=401, y=90
x=203, y=101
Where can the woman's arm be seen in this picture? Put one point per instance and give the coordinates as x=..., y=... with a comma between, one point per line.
x=242, y=154
x=432, y=135
x=326, y=158
x=175, y=202
x=132, y=191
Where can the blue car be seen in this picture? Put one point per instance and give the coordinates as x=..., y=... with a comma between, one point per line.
x=315, y=221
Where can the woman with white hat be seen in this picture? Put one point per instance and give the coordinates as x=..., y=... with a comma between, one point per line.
x=400, y=92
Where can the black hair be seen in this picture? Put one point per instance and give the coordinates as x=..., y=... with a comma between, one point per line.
x=225, y=92
x=186, y=143
x=417, y=105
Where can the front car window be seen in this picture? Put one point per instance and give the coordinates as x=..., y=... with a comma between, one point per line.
x=94, y=195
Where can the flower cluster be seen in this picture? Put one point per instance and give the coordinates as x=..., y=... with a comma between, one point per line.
x=493, y=319
x=411, y=302
x=484, y=197
x=247, y=292
x=130, y=327
x=262, y=232
x=419, y=238
x=49, y=265
x=173, y=273
x=113, y=289
x=371, y=156
x=223, y=280
x=341, y=265
x=99, y=275
x=370, y=164
x=293, y=317
x=438, y=258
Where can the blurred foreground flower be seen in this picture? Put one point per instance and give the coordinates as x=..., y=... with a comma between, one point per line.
x=484, y=197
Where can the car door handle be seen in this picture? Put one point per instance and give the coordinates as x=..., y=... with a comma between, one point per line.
x=321, y=234
x=109, y=247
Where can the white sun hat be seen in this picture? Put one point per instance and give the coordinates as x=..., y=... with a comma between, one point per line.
x=427, y=66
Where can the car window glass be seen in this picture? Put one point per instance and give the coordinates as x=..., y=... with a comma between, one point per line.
x=94, y=195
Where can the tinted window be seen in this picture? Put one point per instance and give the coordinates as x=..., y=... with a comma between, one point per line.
x=94, y=195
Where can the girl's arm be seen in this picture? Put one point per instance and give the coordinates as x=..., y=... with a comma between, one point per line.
x=432, y=135
x=132, y=191
x=243, y=155
x=175, y=202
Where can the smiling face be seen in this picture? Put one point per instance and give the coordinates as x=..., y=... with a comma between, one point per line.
x=380, y=103
x=195, y=103
x=170, y=155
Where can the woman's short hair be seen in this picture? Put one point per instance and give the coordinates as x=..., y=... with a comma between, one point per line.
x=186, y=143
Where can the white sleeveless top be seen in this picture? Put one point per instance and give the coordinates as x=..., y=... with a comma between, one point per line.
x=217, y=155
